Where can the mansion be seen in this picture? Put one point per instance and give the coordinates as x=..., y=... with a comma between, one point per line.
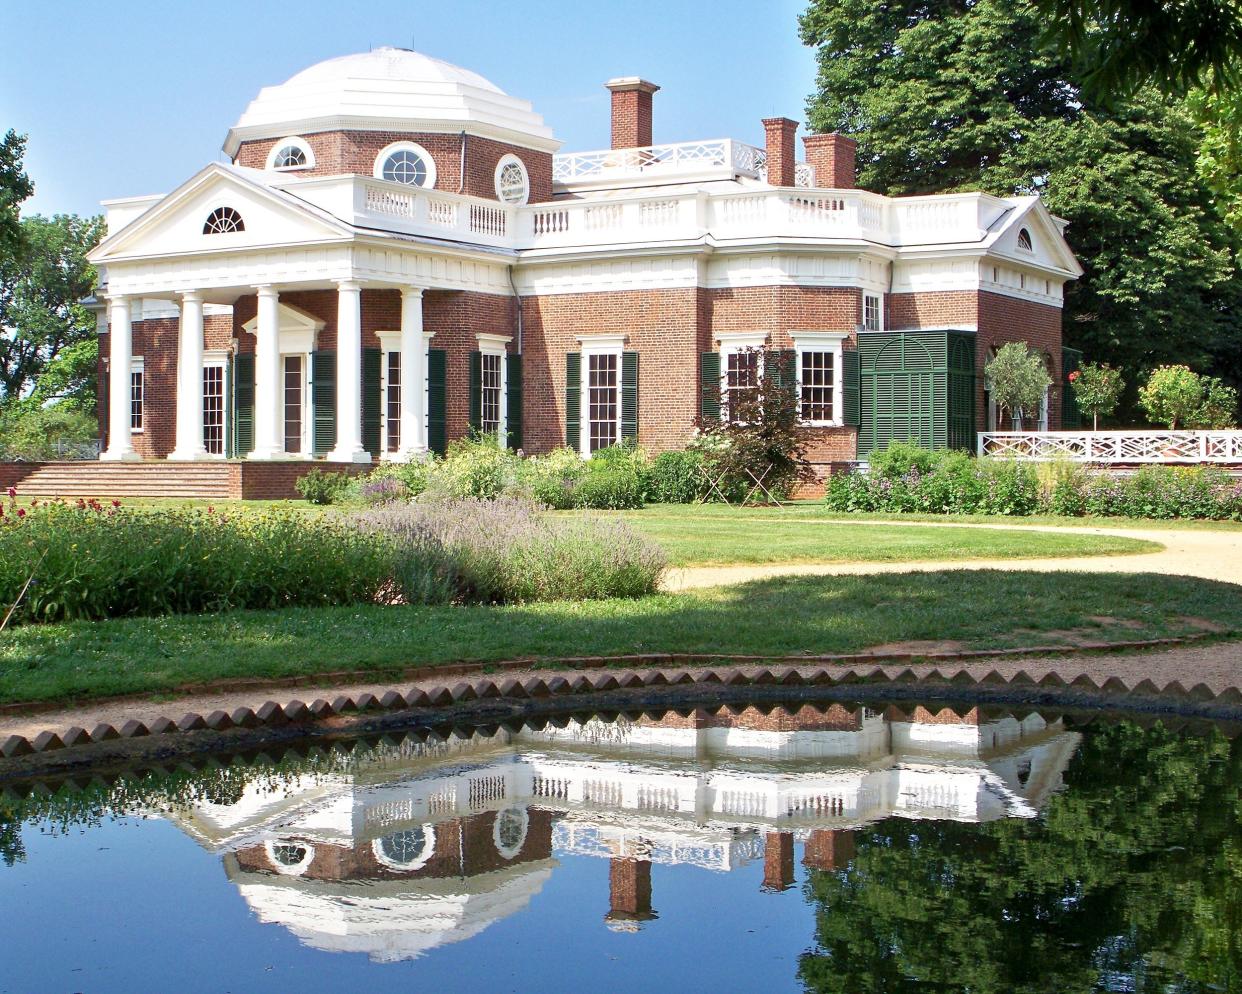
x=397, y=253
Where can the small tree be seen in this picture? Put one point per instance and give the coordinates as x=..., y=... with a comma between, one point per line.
x=1220, y=405
x=1172, y=395
x=1019, y=379
x=1097, y=390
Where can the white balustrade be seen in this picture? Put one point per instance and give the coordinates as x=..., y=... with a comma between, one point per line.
x=1114, y=447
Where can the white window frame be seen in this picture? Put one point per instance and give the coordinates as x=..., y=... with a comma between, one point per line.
x=879, y=311
x=404, y=146
x=390, y=342
x=596, y=345
x=823, y=341
x=301, y=144
x=307, y=414
x=497, y=345
x=509, y=160
x=138, y=367
x=730, y=344
x=218, y=359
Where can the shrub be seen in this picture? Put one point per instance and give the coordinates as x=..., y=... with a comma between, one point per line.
x=1097, y=390
x=1176, y=395
x=552, y=479
x=609, y=488
x=475, y=467
x=509, y=550
x=321, y=487
x=900, y=458
x=382, y=489
x=93, y=562
x=675, y=478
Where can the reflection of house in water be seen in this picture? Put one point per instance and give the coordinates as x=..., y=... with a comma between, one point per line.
x=431, y=842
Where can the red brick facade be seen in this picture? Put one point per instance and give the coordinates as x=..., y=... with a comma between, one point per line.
x=631, y=113
x=781, y=150
x=338, y=152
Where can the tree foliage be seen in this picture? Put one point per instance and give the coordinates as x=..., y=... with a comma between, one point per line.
x=1177, y=396
x=1097, y=390
x=1018, y=377
x=15, y=188
x=953, y=95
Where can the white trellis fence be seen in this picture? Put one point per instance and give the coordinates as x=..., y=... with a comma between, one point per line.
x=1119, y=447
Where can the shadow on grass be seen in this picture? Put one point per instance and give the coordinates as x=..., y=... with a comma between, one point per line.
x=778, y=616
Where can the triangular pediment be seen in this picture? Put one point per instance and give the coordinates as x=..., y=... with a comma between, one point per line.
x=1031, y=235
x=175, y=225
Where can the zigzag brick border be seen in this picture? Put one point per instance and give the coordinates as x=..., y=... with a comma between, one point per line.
x=790, y=672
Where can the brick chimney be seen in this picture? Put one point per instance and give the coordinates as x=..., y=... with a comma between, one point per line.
x=834, y=159
x=781, y=149
x=828, y=849
x=778, y=857
x=631, y=111
x=629, y=890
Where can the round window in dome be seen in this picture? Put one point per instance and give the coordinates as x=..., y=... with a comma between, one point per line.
x=405, y=162
x=509, y=831
x=512, y=183
x=406, y=850
x=290, y=857
x=291, y=153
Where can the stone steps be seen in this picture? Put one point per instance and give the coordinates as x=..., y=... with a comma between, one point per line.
x=94, y=479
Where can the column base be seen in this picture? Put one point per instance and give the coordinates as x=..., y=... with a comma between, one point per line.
x=191, y=455
x=406, y=455
x=265, y=455
x=348, y=455
x=126, y=455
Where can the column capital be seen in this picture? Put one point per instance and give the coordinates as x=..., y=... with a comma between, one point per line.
x=348, y=286
x=113, y=299
x=192, y=296
x=266, y=290
x=412, y=292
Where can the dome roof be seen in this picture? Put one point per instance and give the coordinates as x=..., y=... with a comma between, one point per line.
x=389, y=89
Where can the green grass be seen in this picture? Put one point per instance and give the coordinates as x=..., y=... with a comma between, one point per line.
x=786, y=615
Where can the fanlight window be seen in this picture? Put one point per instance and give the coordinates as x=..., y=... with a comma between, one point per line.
x=511, y=183
x=1024, y=240
x=223, y=221
x=289, y=855
x=406, y=166
x=404, y=848
x=289, y=157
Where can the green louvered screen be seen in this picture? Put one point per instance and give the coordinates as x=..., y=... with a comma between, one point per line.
x=437, y=425
x=513, y=399
x=629, y=397
x=850, y=388
x=372, y=360
x=782, y=366
x=709, y=386
x=243, y=403
x=916, y=386
x=573, y=400
x=476, y=392
x=323, y=402
x=1071, y=416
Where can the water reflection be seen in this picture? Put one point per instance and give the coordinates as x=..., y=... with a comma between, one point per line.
x=431, y=842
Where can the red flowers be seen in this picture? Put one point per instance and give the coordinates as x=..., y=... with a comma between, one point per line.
x=12, y=491
x=21, y=512
x=1073, y=377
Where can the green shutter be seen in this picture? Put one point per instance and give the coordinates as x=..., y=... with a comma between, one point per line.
x=782, y=366
x=437, y=428
x=372, y=359
x=513, y=391
x=629, y=397
x=476, y=392
x=709, y=386
x=323, y=402
x=851, y=409
x=243, y=403
x=573, y=400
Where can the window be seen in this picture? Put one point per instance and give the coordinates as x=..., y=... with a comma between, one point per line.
x=135, y=396
x=512, y=185
x=213, y=409
x=291, y=858
x=492, y=387
x=509, y=831
x=291, y=153
x=871, y=312
x=223, y=221
x=741, y=381
x=406, y=850
x=293, y=366
x=603, y=380
x=1024, y=241
x=405, y=162
x=392, y=402
x=816, y=380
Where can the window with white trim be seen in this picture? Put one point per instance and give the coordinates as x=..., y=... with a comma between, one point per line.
x=136, y=394
x=223, y=221
x=491, y=393
x=603, y=387
x=392, y=401
x=1024, y=240
x=872, y=312
x=512, y=183
x=819, y=376
x=405, y=162
x=213, y=408
x=289, y=154
x=742, y=369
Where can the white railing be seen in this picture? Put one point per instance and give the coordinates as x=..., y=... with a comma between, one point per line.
x=715, y=155
x=1116, y=447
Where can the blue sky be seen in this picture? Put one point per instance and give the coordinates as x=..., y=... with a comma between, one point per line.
x=126, y=97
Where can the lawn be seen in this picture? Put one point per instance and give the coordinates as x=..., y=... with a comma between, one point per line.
x=781, y=616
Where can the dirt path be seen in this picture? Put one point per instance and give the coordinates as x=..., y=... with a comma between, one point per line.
x=1211, y=555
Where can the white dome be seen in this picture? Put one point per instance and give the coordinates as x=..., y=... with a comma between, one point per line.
x=389, y=89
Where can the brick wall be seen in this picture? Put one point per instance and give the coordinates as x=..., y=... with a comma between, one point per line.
x=1007, y=319
x=936, y=309
x=778, y=310
x=339, y=152
x=12, y=474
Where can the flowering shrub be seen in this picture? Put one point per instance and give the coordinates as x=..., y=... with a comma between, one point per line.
x=956, y=483
x=91, y=561
x=510, y=549
x=319, y=487
x=382, y=490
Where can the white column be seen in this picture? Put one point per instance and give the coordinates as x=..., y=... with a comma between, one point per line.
x=413, y=376
x=349, y=375
x=120, y=364
x=190, y=380
x=267, y=442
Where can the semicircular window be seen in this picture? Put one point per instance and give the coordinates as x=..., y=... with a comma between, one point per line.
x=223, y=221
x=290, y=157
x=404, y=848
x=289, y=854
x=406, y=166
x=1024, y=240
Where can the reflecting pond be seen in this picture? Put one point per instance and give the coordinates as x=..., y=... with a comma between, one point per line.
x=821, y=848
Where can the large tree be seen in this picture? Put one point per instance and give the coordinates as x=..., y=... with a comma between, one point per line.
x=949, y=95
x=15, y=187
